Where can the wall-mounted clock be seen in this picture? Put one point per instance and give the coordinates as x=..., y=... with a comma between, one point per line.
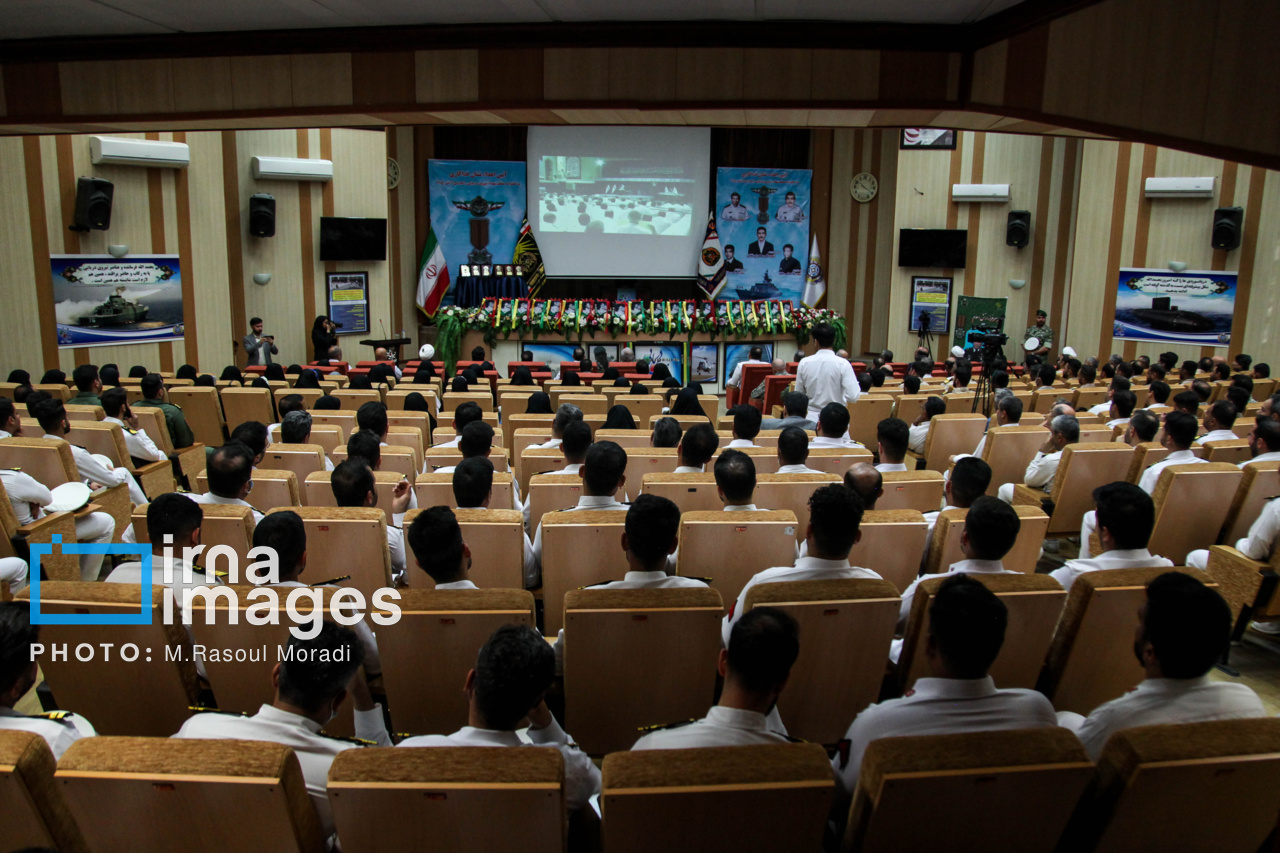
x=864, y=187
x=393, y=174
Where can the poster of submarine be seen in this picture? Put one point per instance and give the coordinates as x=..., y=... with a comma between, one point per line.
x=1192, y=307
x=100, y=300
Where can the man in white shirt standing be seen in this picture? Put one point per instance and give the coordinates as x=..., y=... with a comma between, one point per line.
x=1124, y=519
x=1179, y=435
x=1043, y=468
x=512, y=674
x=825, y=377
x=52, y=415
x=793, y=452
x=473, y=489
x=763, y=646
x=1182, y=631
x=746, y=425
x=834, y=516
x=967, y=625
x=892, y=437
x=141, y=448
x=435, y=538
x=1218, y=420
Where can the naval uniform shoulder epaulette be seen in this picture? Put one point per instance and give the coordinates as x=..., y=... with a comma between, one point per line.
x=707, y=581
x=333, y=582
x=202, y=709
x=56, y=716
x=663, y=728
x=358, y=741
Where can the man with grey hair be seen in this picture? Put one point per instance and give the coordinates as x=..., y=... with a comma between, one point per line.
x=778, y=367
x=627, y=355
x=1063, y=430
x=565, y=415
x=296, y=429
x=1008, y=412
x=1059, y=408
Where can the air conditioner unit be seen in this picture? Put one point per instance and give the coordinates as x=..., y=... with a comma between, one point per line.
x=1179, y=187
x=291, y=169
x=980, y=192
x=118, y=151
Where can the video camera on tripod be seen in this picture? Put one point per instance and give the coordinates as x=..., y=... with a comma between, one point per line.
x=985, y=340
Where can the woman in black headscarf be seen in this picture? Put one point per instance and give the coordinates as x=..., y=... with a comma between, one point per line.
x=522, y=377
x=638, y=389
x=459, y=385
x=360, y=382
x=275, y=373
x=327, y=402
x=415, y=402
x=423, y=377
x=661, y=372
x=110, y=376
x=539, y=404
x=206, y=380
x=687, y=403
x=307, y=379
x=696, y=386
x=19, y=377
x=137, y=371
x=621, y=382
x=381, y=373
x=259, y=382
x=322, y=337
x=619, y=417
x=293, y=370
x=425, y=369
x=610, y=374
x=230, y=373
x=571, y=380
x=53, y=377
x=187, y=371
x=471, y=375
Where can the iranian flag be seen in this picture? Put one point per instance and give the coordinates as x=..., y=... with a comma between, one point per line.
x=433, y=276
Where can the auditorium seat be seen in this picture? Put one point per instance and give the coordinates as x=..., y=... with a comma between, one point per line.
x=410, y=437
x=1008, y=450
x=1261, y=481
x=57, y=390
x=918, y=490
x=1091, y=434
x=400, y=459
x=15, y=539
x=1233, y=451
x=271, y=488
x=1195, y=786
x=766, y=797
x=836, y=460
x=317, y=490
x=590, y=404
x=345, y=418
x=346, y=545
x=1086, y=398
x=35, y=813
x=944, y=549
x=453, y=399
x=302, y=459
x=1034, y=603
x=147, y=696
x=83, y=413
x=1149, y=453
x=195, y=795
x=224, y=524
x=247, y=404
x=1191, y=502
x=690, y=492
x=496, y=540
x=189, y=460
x=308, y=395
x=1091, y=658
x=635, y=658
x=765, y=459
x=948, y=435
x=378, y=802
x=650, y=460
x=866, y=414
x=203, y=411
x=630, y=440
x=999, y=790
x=354, y=398
x=551, y=493
x=685, y=421
x=50, y=462
x=1083, y=468
x=856, y=616
x=791, y=491
x=730, y=548
x=539, y=460
x=156, y=478
x=578, y=549
x=891, y=544
x=427, y=653
x=437, y=490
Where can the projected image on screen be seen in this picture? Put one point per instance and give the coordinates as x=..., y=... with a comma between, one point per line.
x=614, y=195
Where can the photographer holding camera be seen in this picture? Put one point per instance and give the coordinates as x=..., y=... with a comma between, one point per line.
x=322, y=337
x=257, y=346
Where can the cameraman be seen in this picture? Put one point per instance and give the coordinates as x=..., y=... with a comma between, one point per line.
x=258, y=347
x=322, y=337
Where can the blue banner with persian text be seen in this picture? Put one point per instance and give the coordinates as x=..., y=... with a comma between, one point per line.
x=100, y=300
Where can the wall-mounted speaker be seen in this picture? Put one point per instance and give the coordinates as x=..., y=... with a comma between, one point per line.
x=1018, y=232
x=93, y=204
x=1227, y=222
x=262, y=215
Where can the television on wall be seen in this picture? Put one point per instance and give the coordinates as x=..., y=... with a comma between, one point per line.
x=940, y=248
x=352, y=239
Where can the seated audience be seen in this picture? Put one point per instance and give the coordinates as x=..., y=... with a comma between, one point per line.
x=1179, y=435
x=296, y=429
x=795, y=409
x=353, y=485
x=435, y=538
x=832, y=427
x=696, y=448
x=1124, y=519
x=918, y=432
x=1218, y=420
x=746, y=425
x=793, y=452
x=666, y=433
x=473, y=489
x=736, y=481
x=892, y=437
x=1043, y=467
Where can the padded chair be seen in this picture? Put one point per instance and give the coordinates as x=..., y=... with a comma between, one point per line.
x=410, y=437
x=1192, y=502
x=353, y=398
x=1149, y=453
x=866, y=414
x=918, y=490
x=892, y=542
x=318, y=489
x=767, y=797
x=1231, y=766
x=247, y=404
x=445, y=799
x=909, y=408
x=1082, y=468
x=650, y=460
x=1086, y=398
x=856, y=616
x=453, y=399
x=15, y=538
x=685, y=421
x=301, y=459
x=552, y=493
x=423, y=424
x=348, y=543
x=1091, y=434
x=1034, y=602
x=427, y=653
x=395, y=398
x=223, y=524
x=270, y=489
x=496, y=540
x=130, y=793
x=1009, y=450
x=790, y=491
x=999, y=790
x=949, y=435
x=578, y=549
x=437, y=490
x=83, y=413
x=591, y=404
x=1091, y=658
x=147, y=696
x=642, y=406
x=690, y=492
x=630, y=440
x=156, y=478
x=1260, y=482
x=402, y=461
x=539, y=460
x=1233, y=451
x=944, y=549
x=836, y=460
x=619, y=644
x=345, y=418
x=35, y=813
x=735, y=546
x=308, y=395
x=190, y=461
x=765, y=459
x=50, y=462
x=57, y=390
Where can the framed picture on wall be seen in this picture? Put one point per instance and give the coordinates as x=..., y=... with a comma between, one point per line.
x=930, y=304
x=704, y=362
x=927, y=137
x=349, y=301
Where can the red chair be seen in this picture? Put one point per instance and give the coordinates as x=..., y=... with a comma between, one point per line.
x=327, y=369
x=532, y=365
x=791, y=366
x=638, y=377
x=588, y=378
x=257, y=369
x=624, y=366
x=368, y=364
x=773, y=388
x=752, y=375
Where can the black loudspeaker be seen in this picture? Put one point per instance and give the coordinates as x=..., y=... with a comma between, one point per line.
x=1226, y=227
x=1018, y=231
x=93, y=204
x=262, y=215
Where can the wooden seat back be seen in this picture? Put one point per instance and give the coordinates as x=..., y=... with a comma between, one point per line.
x=635, y=658
x=411, y=437
x=1082, y=468
x=790, y=491
x=317, y=490
x=84, y=413
x=1008, y=450
x=329, y=436
x=578, y=549
x=347, y=542
x=918, y=490
x=496, y=540
x=628, y=439
x=891, y=544
x=650, y=460
x=551, y=493
x=378, y=799
x=765, y=797
x=641, y=406
x=150, y=786
x=732, y=547
x=836, y=460
x=437, y=490
x=422, y=422
x=944, y=549
x=909, y=408
x=47, y=460
x=1091, y=434
x=271, y=488
x=867, y=413
x=344, y=418
x=430, y=392
x=1091, y=658
x=247, y=404
x=988, y=791
x=35, y=813
x=854, y=615
x=57, y=390
x=1234, y=451
x=1086, y=398
x=685, y=421
x=1261, y=481
x=690, y=492
x=401, y=460
x=765, y=459
x=590, y=404
x=1192, y=502
x=952, y=434
x=1034, y=603
x=302, y=460
x=1229, y=764
x=354, y=398
x=308, y=395
x=148, y=696
x=540, y=460
x=453, y=399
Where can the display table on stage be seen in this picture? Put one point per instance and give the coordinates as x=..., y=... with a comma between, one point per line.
x=472, y=290
x=392, y=344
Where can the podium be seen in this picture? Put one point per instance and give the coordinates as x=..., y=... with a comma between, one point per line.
x=392, y=345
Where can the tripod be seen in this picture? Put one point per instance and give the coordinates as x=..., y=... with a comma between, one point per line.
x=984, y=391
x=925, y=336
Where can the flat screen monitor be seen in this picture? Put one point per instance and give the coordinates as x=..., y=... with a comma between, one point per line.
x=932, y=247
x=352, y=239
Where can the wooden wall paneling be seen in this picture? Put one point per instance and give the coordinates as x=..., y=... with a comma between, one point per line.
x=1014, y=160
x=320, y=79
x=857, y=225
x=1039, y=234
x=820, y=204
x=233, y=210
x=363, y=158
x=872, y=284
x=776, y=74
x=143, y=85
x=1242, y=74
x=1263, y=334
x=87, y=88
x=1115, y=248
x=913, y=75
x=989, y=65
x=1248, y=257
x=710, y=74
x=1025, y=69
x=178, y=184
x=318, y=267
x=406, y=201
x=575, y=74
x=22, y=343
x=202, y=84
x=261, y=82
x=977, y=164
x=394, y=258
x=510, y=75
x=39, y=240
x=156, y=220
x=1066, y=195
x=4, y=105
x=58, y=166
x=845, y=75
x=385, y=77
x=447, y=76
x=642, y=73
x=922, y=200
x=306, y=248
x=884, y=237
x=1093, y=229
x=1137, y=253
x=841, y=245
x=214, y=222
x=33, y=89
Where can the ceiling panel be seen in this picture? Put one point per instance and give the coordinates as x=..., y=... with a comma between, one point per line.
x=652, y=10
x=896, y=11
x=49, y=18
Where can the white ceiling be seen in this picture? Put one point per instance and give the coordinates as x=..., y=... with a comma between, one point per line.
x=21, y=19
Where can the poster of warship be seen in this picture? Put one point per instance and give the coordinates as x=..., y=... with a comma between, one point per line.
x=1191, y=307
x=100, y=300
